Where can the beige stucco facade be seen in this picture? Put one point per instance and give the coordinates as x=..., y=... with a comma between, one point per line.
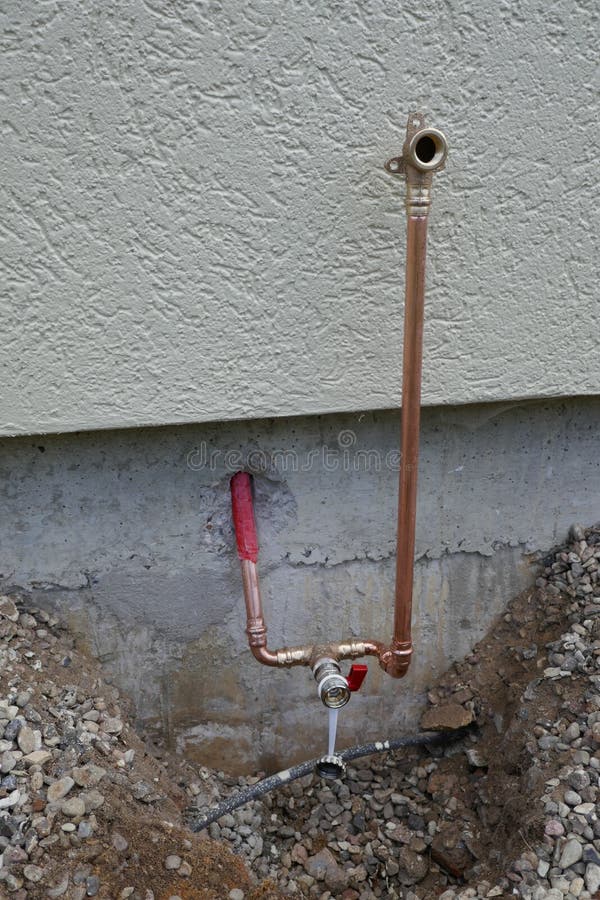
x=197, y=224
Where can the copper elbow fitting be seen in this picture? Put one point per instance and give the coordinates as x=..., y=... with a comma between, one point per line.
x=395, y=662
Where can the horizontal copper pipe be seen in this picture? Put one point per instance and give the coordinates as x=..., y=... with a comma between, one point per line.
x=305, y=655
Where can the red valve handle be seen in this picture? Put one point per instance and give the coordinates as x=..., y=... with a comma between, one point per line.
x=243, y=516
x=356, y=676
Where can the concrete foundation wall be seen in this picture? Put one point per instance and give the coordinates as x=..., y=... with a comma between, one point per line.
x=128, y=534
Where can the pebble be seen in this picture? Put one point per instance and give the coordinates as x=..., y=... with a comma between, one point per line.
x=236, y=894
x=60, y=888
x=119, y=842
x=8, y=610
x=7, y=762
x=33, y=873
x=12, y=800
x=59, y=789
x=84, y=829
x=112, y=725
x=173, y=862
x=92, y=886
x=592, y=878
x=571, y=853
x=28, y=740
x=37, y=758
x=88, y=776
x=74, y=807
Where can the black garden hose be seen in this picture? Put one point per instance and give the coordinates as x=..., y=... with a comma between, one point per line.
x=426, y=738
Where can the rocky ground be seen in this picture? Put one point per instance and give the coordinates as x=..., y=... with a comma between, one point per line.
x=510, y=810
x=84, y=810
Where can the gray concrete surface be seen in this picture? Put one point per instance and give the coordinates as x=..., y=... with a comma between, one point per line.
x=128, y=534
x=197, y=225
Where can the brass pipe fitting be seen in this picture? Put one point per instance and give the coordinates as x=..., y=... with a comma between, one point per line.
x=332, y=687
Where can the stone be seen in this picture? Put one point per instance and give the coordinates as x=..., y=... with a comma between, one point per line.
x=59, y=888
x=475, y=758
x=571, y=853
x=119, y=842
x=299, y=854
x=572, y=798
x=413, y=864
x=448, y=717
x=576, y=532
x=7, y=762
x=236, y=894
x=12, y=729
x=93, y=799
x=322, y=866
x=12, y=800
x=571, y=733
x=112, y=725
x=73, y=808
x=9, y=783
x=88, y=776
x=554, y=828
x=92, y=886
x=8, y=610
x=59, y=789
x=33, y=873
x=592, y=878
x=173, y=862
x=37, y=758
x=578, y=779
x=28, y=740
x=591, y=855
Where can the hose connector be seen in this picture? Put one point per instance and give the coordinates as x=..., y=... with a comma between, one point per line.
x=424, y=152
x=332, y=686
x=331, y=767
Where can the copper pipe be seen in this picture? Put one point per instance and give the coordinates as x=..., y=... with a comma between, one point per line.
x=424, y=153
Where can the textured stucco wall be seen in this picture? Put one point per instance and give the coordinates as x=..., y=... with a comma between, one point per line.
x=128, y=534
x=197, y=226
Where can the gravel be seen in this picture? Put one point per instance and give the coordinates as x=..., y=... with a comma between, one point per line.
x=83, y=808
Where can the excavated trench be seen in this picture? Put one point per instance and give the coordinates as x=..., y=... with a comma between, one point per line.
x=508, y=808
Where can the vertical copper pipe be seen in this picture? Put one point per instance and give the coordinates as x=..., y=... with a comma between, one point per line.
x=416, y=247
x=423, y=154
